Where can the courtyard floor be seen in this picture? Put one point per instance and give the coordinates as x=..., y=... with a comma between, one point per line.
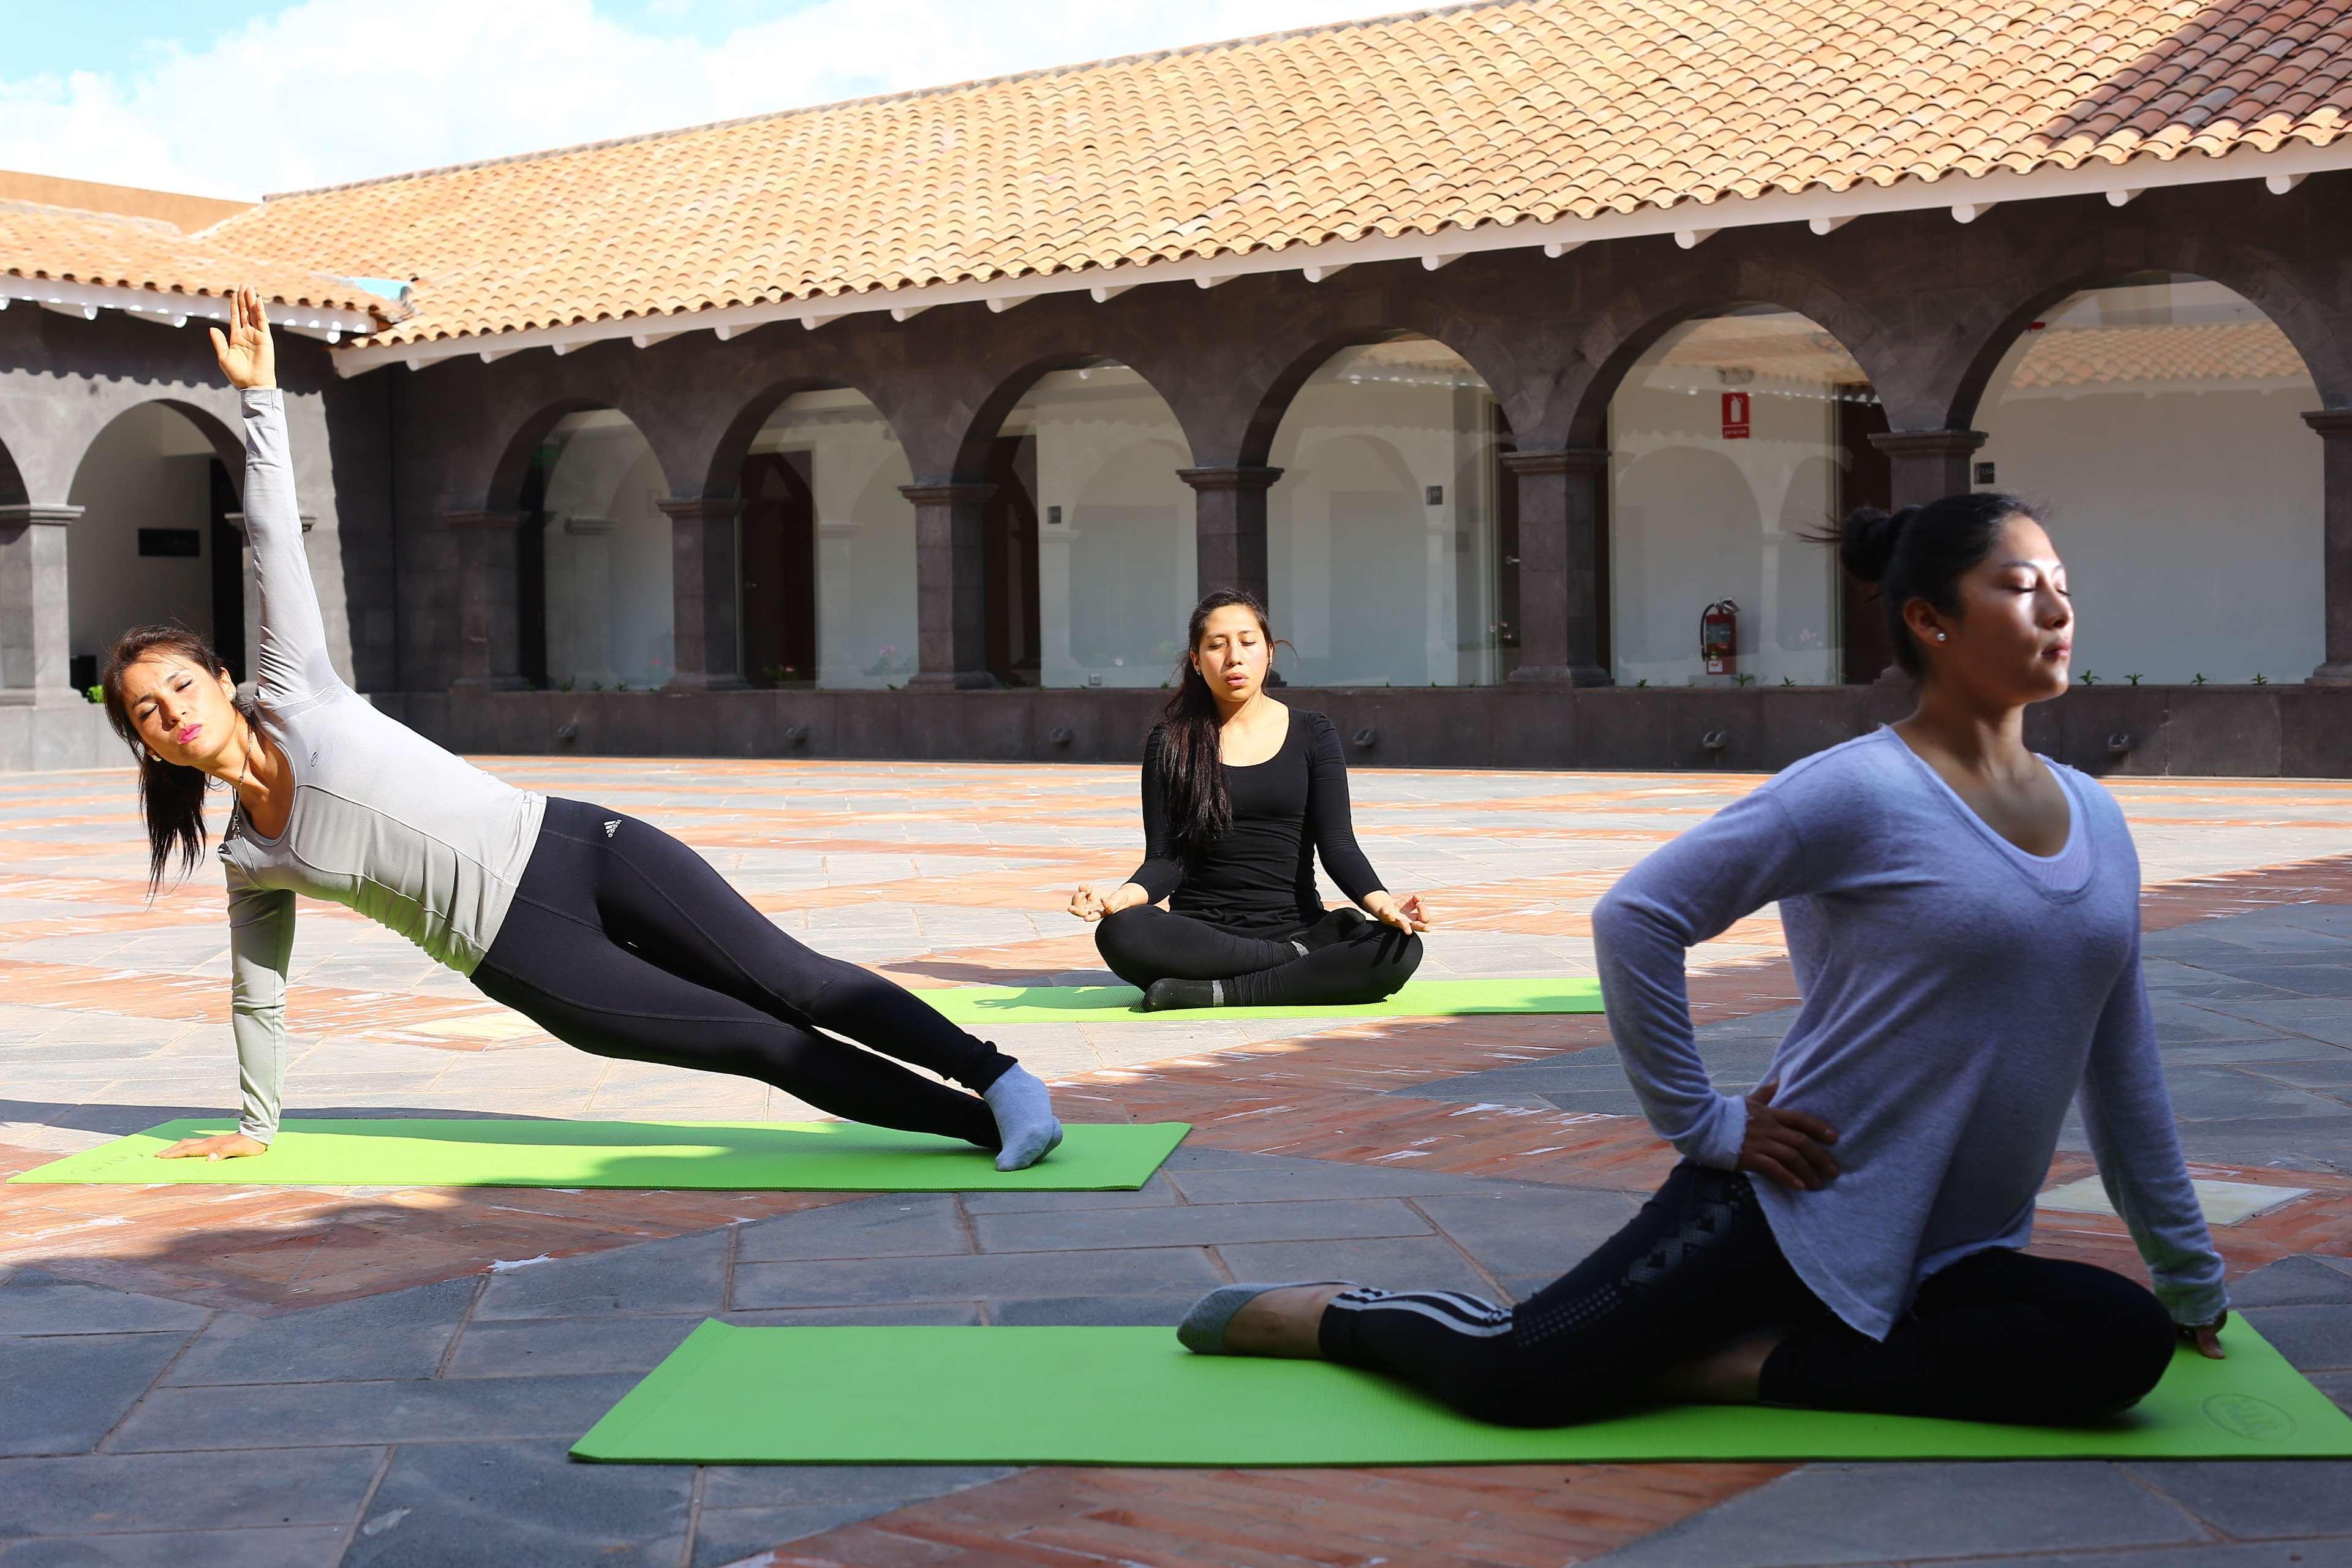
x=264, y=1376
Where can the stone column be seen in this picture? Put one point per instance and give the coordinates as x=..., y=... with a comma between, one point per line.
x=252, y=591
x=2335, y=427
x=490, y=609
x=1229, y=526
x=1928, y=465
x=1560, y=585
x=36, y=639
x=951, y=585
x=707, y=655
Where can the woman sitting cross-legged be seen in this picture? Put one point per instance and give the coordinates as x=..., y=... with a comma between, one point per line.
x=1964, y=921
x=1240, y=795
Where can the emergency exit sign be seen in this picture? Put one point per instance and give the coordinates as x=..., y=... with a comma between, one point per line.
x=1735, y=417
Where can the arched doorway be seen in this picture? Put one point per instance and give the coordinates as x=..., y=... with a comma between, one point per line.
x=156, y=542
x=2157, y=423
x=1733, y=439
x=828, y=547
x=1390, y=542
x=604, y=558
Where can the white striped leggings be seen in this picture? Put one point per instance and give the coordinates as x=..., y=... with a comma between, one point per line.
x=1998, y=1336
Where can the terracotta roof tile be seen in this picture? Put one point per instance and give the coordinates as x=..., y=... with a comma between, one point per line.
x=1481, y=114
x=67, y=245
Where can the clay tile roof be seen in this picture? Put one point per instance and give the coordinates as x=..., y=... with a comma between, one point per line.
x=67, y=245
x=1481, y=114
x=2200, y=351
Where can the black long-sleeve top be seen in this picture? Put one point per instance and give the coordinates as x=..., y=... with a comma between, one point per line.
x=1259, y=877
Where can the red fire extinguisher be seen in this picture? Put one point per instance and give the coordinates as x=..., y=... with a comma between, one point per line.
x=1718, y=636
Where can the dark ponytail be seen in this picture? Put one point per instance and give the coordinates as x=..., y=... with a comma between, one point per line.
x=1922, y=552
x=171, y=797
x=1190, y=764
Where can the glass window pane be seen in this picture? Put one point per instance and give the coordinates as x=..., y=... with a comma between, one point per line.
x=607, y=556
x=2158, y=424
x=1116, y=566
x=1381, y=553
x=1725, y=448
x=847, y=466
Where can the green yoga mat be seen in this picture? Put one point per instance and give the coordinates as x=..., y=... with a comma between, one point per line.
x=726, y=1156
x=1132, y=1396
x=1419, y=999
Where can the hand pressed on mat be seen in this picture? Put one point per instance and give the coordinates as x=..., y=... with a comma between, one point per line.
x=1788, y=1146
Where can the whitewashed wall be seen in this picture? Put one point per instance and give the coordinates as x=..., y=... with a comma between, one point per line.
x=608, y=562
x=865, y=535
x=2188, y=515
x=1117, y=576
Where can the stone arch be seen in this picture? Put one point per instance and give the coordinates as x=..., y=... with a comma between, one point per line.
x=1282, y=389
x=1632, y=324
x=2157, y=424
x=12, y=480
x=1009, y=387
x=1393, y=495
x=503, y=492
x=2264, y=282
x=1048, y=518
x=157, y=482
x=723, y=476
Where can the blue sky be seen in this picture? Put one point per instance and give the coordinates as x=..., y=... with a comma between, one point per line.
x=60, y=38
x=140, y=93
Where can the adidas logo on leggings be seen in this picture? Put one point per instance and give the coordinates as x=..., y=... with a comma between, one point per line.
x=611, y=828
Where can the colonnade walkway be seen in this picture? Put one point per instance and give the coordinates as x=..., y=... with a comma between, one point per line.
x=412, y=1364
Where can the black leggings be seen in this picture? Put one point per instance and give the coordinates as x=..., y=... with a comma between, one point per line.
x=625, y=942
x=1341, y=959
x=1998, y=1336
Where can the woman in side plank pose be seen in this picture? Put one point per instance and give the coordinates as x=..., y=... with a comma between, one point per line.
x=1240, y=795
x=605, y=930
x=1964, y=921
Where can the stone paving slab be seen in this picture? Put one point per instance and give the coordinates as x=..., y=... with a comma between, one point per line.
x=1388, y=1152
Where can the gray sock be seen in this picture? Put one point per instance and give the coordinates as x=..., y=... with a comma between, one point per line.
x=1025, y=1125
x=1202, y=1332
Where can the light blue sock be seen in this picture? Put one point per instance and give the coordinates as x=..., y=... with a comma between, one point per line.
x=1025, y=1125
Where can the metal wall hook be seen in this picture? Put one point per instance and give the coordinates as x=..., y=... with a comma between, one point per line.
x=1714, y=739
x=2119, y=742
x=1365, y=740
x=1059, y=735
x=795, y=734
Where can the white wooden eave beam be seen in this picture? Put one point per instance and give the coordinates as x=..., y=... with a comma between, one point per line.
x=1824, y=212
x=328, y=323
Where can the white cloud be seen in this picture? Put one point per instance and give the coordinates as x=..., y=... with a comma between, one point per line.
x=344, y=89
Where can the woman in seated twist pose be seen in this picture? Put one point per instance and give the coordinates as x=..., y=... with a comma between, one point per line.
x=1963, y=916
x=1240, y=795
x=607, y=932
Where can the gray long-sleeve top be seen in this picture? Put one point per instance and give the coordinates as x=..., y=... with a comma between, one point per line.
x=384, y=821
x=1958, y=994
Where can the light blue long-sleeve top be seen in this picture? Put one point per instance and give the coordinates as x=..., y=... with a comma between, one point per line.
x=1958, y=994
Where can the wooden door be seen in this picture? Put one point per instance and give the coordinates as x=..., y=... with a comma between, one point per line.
x=779, y=555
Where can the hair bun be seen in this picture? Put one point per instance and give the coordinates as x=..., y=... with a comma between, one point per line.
x=1867, y=539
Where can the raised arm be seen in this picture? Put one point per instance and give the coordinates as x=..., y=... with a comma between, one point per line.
x=1744, y=856
x=292, y=665
x=2129, y=1115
